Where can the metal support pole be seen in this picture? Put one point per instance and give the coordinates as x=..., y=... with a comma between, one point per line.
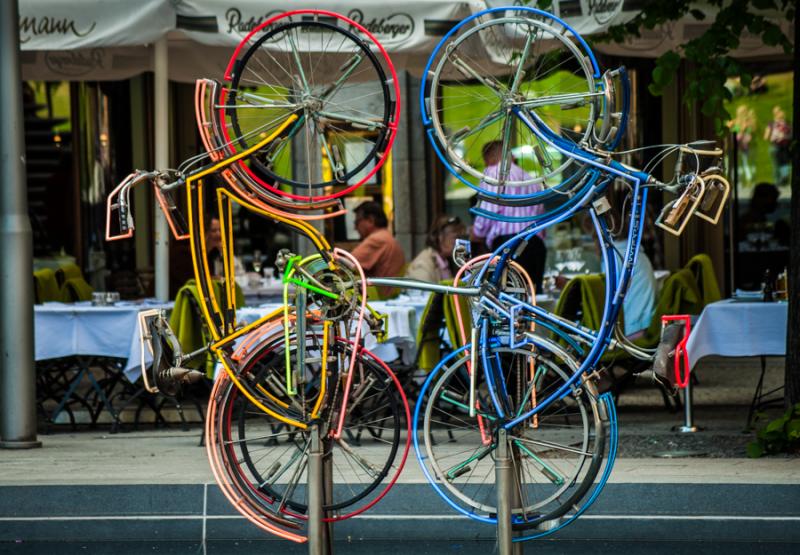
x=161, y=131
x=504, y=478
x=319, y=536
x=688, y=424
x=17, y=370
x=687, y=428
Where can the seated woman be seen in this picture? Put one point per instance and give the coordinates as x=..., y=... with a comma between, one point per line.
x=435, y=263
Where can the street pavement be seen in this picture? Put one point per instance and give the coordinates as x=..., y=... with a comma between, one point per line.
x=151, y=491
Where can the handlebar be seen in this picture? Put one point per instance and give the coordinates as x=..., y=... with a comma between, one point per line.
x=122, y=204
x=119, y=201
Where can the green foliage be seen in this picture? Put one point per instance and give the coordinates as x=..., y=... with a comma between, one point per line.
x=541, y=4
x=781, y=435
x=780, y=87
x=710, y=63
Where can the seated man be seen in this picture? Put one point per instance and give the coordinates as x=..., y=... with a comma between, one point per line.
x=495, y=232
x=379, y=253
x=640, y=300
x=639, y=303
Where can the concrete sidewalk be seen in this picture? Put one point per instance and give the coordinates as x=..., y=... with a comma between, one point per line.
x=174, y=457
x=95, y=486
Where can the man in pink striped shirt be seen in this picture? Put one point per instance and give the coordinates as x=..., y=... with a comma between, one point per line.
x=495, y=232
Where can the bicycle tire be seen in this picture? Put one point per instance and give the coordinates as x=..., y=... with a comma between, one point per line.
x=253, y=465
x=453, y=58
x=316, y=101
x=456, y=481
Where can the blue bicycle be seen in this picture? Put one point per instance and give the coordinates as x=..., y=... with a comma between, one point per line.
x=524, y=381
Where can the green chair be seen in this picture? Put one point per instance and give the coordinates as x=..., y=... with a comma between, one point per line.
x=429, y=338
x=438, y=313
x=67, y=271
x=189, y=325
x=679, y=295
x=76, y=289
x=705, y=278
x=582, y=300
x=451, y=318
x=73, y=286
x=45, y=286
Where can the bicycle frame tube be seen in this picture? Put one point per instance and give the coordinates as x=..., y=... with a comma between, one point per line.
x=615, y=287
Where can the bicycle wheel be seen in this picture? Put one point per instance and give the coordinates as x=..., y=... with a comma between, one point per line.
x=512, y=62
x=556, y=455
x=270, y=457
x=344, y=94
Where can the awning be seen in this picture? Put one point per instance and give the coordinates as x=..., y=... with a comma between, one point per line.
x=111, y=39
x=94, y=40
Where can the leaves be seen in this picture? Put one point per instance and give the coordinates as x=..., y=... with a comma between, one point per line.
x=778, y=436
x=708, y=55
x=775, y=426
x=754, y=450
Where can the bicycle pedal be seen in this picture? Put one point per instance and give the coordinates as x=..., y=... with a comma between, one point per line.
x=460, y=472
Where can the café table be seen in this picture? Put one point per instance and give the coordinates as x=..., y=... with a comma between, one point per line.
x=403, y=313
x=741, y=327
x=90, y=336
x=263, y=290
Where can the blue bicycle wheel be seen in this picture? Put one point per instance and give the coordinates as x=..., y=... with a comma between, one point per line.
x=557, y=454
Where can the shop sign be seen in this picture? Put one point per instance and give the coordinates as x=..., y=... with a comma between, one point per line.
x=35, y=26
x=390, y=29
x=74, y=63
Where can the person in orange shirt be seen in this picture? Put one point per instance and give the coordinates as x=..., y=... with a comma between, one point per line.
x=379, y=253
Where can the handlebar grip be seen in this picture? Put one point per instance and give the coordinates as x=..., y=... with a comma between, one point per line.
x=117, y=200
x=123, y=218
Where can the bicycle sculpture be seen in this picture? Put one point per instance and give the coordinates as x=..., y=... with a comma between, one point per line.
x=534, y=440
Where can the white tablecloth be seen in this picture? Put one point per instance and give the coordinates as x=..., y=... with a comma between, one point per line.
x=266, y=291
x=62, y=330
x=736, y=328
x=404, y=314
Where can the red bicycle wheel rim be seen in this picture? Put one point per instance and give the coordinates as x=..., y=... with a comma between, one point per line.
x=392, y=125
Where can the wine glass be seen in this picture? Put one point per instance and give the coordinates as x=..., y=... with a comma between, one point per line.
x=257, y=261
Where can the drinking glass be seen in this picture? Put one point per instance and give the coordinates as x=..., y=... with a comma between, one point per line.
x=257, y=261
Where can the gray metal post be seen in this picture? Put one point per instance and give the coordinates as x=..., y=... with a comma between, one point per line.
x=161, y=131
x=688, y=423
x=17, y=371
x=319, y=540
x=687, y=427
x=503, y=470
